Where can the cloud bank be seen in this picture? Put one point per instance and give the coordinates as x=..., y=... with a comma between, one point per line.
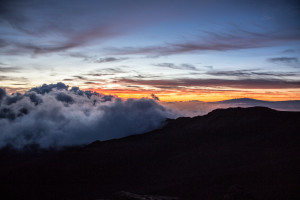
x=241, y=39
x=195, y=108
x=246, y=83
x=55, y=115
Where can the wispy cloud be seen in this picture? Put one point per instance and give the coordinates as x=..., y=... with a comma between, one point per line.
x=9, y=69
x=113, y=70
x=252, y=73
x=58, y=26
x=80, y=77
x=156, y=98
x=73, y=40
x=220, y=83
x=174, y=66
x=96, y=59
x=99, y=74
x=109, y=59
x=214, y=42
x=68, y=79
x=11, y=78
x=54, y=31
x=285, y=60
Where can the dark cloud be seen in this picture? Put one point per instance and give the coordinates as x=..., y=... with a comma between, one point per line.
x=86, y=78
x=146, y=76
x=80, y=77
x=173, y=66
x=34, y=98
x=46, y=88
x=153, y=96
x=63, y=97
x=240, y=83
x=114, y=70
x=95, y=59
x=2, y=94
x=73, y=40
x=40, y=49
x=13, y=98
x=9, y=69
x=251, y=73
x=54, y=115
x=215, y=42
x=57, y=26
x=109, y=59
x=99, y=74
x=22, y=17
x=90, y=82
x=12, y=78
x=285, y=60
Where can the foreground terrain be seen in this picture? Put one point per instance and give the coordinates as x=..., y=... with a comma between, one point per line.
x=235, y=153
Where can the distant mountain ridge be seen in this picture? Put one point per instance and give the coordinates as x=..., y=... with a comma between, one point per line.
x=233, y=154
x=241, y=100
x=250, y=100
x=195, y=108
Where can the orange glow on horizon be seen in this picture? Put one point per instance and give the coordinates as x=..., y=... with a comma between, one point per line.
x=203, y=95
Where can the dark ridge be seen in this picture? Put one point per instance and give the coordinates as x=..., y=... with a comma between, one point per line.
x=242, y=100
x=232, y=154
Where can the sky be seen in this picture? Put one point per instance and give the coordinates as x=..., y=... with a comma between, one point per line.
x=205, y=50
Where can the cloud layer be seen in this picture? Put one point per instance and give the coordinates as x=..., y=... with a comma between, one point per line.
x=54, y=115
x=246, y=83
x=215, y=42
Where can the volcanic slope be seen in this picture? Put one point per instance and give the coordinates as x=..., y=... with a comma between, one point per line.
x=234, y=153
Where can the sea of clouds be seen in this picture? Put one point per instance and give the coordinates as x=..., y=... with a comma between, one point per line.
x=55, y=115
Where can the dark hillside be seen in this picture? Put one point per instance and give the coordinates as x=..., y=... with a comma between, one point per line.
x=235, y=153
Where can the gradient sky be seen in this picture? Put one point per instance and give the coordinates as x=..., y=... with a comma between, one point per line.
x=205, y=50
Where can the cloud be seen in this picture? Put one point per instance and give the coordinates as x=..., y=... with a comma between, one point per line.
x=9, y=69
x=99, y=74
x=58, y=26
x=153, y=96
x=68, y=79
x=54, y=115
x=2, y=94
x=54, y=31
x=232, y=83
x=80, y=77
x=45, y=88
x=73, y=40
x=195, y=108
x=109, y=59
x=214, y=42
x=113, y=70
x=95, y=59
x=173, y=66
x=251, y=73
x=285, y=60
x=12, y=78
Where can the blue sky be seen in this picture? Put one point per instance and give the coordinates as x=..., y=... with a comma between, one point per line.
x=196, y=50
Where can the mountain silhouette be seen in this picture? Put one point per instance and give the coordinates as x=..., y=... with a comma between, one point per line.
x=291, y=105
x=234, y=153
x=242, y=100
